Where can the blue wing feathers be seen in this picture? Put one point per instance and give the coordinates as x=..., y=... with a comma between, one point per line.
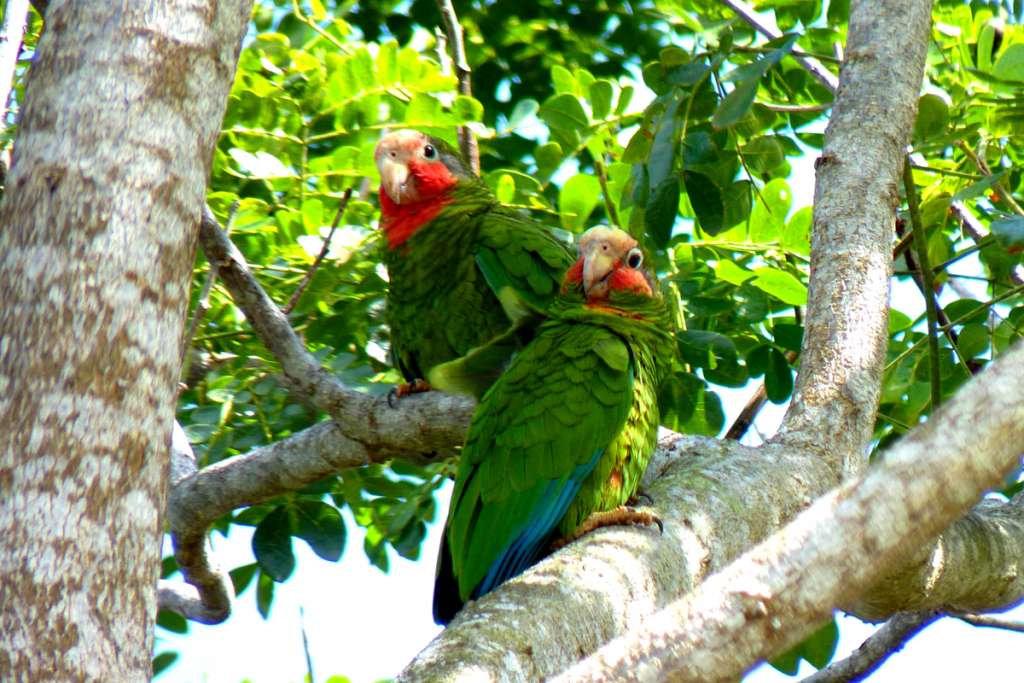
x=524, y=550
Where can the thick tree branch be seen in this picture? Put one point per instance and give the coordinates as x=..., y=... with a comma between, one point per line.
x=855, y=198
x=873, y=652
x=777, y=593
x=716, y=498
x=974, y=566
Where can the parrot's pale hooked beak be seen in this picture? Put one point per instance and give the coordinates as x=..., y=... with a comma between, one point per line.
x=596, y=267
x=394, y=176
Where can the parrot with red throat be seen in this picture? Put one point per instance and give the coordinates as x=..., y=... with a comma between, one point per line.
x=469, y=278
x=558, y=444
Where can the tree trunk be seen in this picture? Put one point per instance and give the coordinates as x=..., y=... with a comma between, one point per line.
x=123, y=107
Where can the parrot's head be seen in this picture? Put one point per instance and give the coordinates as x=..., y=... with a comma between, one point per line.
x=417, y=172
x=609, y=261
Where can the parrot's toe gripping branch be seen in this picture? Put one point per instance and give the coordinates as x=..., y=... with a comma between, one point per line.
x=417, y=386
x=620, y=516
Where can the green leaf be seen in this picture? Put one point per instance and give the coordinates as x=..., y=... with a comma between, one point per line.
x=768, y=218
x=549, y=158
x=523, y=110
x=781, y=285
x=763, y=153
x=241, y=577
x=898, y=321
x=661, y=211
x=778, y=378
x=321, y=526
x=977, y=189
x=162, y=661
x=735, y=105
x=796, y=236
x=1010, y=65
x=565, y=115
x=788, y=335
x=264, y=594
x=731, y=273
x=506, y=189
x=172, y=621
x=272, y=544
x=932, y=117
x=1010, y=231
x=466, y=109
x=601, y=93
x=965, y=311
x=707, y=202
x=562, y=79
x=973, y=340
x=663, y=147
x=577, y=200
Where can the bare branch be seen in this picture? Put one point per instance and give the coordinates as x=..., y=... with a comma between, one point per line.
x=782, y=589
x=207, y=597
x=452, y=28
x=927, y=282
x=886, y=641
x=754, y=404
x=813, y=66
x=297, y=294
x=989, y=621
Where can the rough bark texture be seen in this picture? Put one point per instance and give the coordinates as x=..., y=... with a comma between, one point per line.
x=781, y=590
x=973, y=566
x=855, y=199
x=123, y=107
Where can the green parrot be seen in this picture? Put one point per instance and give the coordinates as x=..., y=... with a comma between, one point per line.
x=469, y=278
x=560, y=441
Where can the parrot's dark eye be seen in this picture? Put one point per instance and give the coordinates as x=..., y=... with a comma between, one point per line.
x=429, y=152
x=634, y=259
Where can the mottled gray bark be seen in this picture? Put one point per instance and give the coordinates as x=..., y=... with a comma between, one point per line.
x=855, y=200
x=122, y=109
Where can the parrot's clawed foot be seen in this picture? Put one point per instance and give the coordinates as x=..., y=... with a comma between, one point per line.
x=417, y=386
x=620, y=516
x=638, y=497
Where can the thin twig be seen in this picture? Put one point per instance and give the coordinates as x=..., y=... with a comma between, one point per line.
x=978, y=232
x=305, y=645
x=203, y=303
x=754, y=405
x=927, y=280
x=609, y=205
x=873, y=652
x=297, y=294
x=813, y=66
x=989, y=621
x=926, y=292
x=796, y=108
x=467, y=141
x=748, y=414
x=982, y=166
